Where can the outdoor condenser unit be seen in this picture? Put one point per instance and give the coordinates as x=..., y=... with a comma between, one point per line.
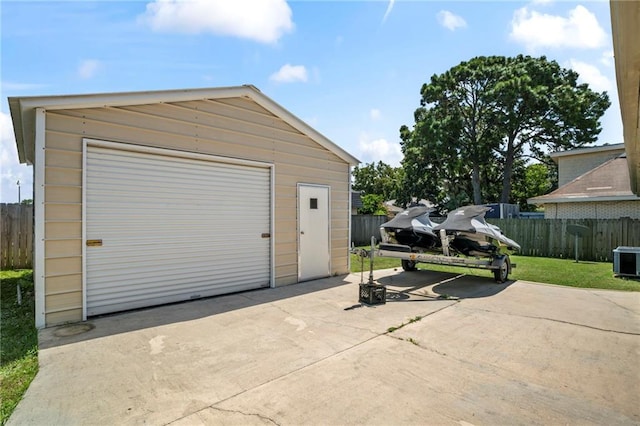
x=626, y=261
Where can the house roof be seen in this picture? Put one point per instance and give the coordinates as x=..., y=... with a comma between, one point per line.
x=23, y=111
x=607, y=182
x=588, y=150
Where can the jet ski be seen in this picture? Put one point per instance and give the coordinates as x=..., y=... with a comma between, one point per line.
x=413, y=228
x=469, y=234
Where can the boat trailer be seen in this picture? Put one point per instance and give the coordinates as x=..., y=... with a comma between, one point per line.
x=372, y=293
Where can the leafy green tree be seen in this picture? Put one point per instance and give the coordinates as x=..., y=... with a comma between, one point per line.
x=532, y=181
x=378, y=178
x=541, y=107
x=372, y=204
x=431, y=162
x=461, y=95
x=477, y=121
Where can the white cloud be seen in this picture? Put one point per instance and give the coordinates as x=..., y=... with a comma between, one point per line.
x=11, y=171
x=375, y=114
x=12, y=85
x=540, y=30
x=88, y=68
x=388, y=11
x=290, y=73
x=591, y=75
x=607, y=58
x=450, y=21
x=374, y=150
x=264, y=21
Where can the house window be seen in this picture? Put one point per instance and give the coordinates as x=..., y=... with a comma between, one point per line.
x=313, y=203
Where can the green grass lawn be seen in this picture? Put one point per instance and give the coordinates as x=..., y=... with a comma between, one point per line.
x=18, y=339
x=539, y=269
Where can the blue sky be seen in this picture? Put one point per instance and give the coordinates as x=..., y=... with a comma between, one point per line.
x=352, y=70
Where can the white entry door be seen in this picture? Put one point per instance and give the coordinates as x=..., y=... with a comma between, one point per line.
x=313, y=232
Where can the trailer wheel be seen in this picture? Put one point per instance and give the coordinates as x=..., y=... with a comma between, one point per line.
x=501, y=274
x=409, y=265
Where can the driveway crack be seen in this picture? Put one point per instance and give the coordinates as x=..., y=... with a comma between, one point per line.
x=606, y=330
x=260, y=416
x=612, y=302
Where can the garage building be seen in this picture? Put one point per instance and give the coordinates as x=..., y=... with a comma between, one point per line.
x=145, y=198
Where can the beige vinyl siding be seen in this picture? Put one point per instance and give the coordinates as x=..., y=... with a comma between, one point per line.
x=593, y=210
x=237, y=128
x=68, y=314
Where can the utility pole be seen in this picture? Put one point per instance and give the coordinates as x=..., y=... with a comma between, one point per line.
x=18, y=183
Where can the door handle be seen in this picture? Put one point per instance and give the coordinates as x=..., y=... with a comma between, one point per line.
x=301, y=232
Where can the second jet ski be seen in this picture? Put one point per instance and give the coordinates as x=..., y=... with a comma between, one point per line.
x=468, y=233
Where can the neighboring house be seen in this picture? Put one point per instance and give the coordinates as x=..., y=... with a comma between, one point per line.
x=604, y=192
x=576, y=162
x=356, y=202
x=144, y=198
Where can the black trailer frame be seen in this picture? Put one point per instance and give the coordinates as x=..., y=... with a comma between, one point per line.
x=500, y=264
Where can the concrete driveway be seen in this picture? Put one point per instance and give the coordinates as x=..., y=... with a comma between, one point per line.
x=470, y=352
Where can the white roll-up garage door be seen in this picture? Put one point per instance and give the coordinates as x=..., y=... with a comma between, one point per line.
x=161, y=228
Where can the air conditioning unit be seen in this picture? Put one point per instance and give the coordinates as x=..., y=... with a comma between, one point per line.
x=626, y=261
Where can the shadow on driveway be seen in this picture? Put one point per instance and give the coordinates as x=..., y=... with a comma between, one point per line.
x=127, y=321
x=428, y=285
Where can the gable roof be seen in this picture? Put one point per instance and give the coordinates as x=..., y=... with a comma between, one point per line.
x=607, y=182
x=23, y=111
x=618, y=147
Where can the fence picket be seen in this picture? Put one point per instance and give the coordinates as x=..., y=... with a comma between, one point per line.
x=16, y=236
x=363, y=227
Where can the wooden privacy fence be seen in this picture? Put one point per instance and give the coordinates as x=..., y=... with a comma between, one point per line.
x=539, y=237
x=550, y=238
x=16, y=236
x=365, y=226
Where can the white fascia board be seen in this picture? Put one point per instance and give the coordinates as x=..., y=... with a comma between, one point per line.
x=130, y=98
x=278, y=110
x=16, y=118
x=587, y=150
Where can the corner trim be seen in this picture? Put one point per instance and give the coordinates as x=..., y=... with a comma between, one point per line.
x=39, y=231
